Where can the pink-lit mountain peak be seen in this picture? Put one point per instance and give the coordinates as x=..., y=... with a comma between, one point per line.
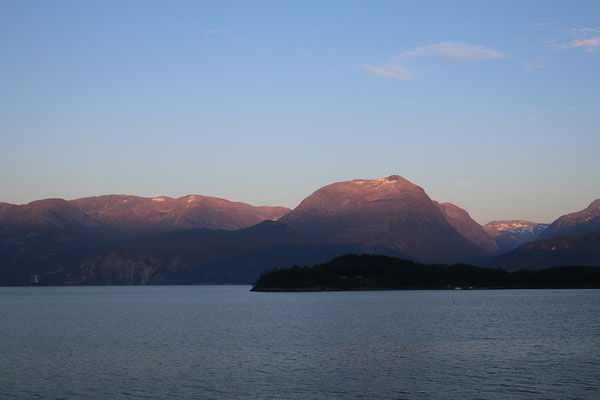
x=390, y=213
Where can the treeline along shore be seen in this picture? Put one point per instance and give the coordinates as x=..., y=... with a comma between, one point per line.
x=377, y=272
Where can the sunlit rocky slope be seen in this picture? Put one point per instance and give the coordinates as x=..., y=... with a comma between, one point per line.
x=390, y=213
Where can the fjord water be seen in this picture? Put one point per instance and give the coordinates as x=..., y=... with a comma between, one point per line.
x=224, y=342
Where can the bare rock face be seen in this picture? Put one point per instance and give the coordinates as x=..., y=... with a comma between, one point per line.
x=115, y=269
x=388, y=213
x=466, y=226
x=586, y=220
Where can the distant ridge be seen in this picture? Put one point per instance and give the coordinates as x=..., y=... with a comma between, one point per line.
x=511, y=234
x=494, y=228
x=586, y=220
x=138, y=214
x=571, y=240
x=566, y=250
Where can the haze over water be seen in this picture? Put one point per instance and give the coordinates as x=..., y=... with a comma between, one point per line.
x=225, y=342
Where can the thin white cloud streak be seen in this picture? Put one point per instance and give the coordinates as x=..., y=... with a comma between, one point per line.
x=457, y=52
x=592, y=44
x=589, y=45
x=461, y=52
x=392, y=71
x=584, y=39
x=583, y=31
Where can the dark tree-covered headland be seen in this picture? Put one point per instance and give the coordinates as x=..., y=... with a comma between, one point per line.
x=376, y=272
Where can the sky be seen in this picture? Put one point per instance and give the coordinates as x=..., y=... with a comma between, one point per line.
x=493, y=106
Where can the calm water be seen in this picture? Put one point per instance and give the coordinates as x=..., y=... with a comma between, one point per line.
x=223, y=342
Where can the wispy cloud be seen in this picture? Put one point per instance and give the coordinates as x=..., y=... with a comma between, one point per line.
x=464, y=184
x=585, y=38
x=457, y=52
x=392, y=71
x=583, y=31
x=461, y=52
x=563, y=40
x=591, y=44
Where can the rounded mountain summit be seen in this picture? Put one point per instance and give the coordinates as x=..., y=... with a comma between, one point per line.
x=390, y=213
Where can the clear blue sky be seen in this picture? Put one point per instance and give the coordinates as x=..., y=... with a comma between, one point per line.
x=494, y=106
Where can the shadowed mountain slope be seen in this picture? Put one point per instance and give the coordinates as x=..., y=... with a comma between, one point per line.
x=466, y=226
x=568, y=250
x=50, y=236
x=47, y=235
x=586, y=220
x=209, y=256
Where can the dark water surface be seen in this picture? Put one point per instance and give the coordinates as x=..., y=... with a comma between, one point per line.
x=223, y=342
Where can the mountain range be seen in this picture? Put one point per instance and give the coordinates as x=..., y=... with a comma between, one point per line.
x=133, y=214
x=119, y=239
x=509, y=235
x=586, y=220
x=50, y=237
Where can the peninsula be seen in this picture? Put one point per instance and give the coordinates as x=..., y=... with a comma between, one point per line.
x=377, y=272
